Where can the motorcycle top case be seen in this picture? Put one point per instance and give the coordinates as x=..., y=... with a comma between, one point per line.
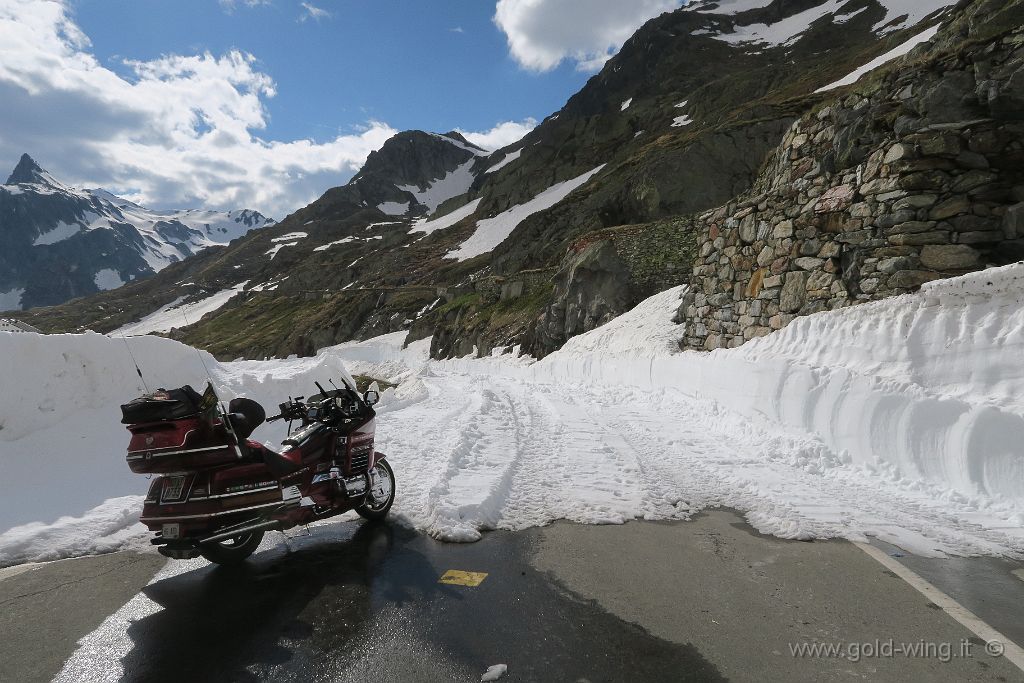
x=183, y=445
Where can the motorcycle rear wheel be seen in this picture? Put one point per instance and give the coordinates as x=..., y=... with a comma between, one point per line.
x=233, y=550
x=378, y=509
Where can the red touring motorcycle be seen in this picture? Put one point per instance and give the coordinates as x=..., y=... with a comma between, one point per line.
x=219, y=491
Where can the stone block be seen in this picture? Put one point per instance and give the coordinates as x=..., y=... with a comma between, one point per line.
x=910, y=279
x=967, y=159
x=808, y=263
x=950, y=257
x=836, y=199
x=794, y=292
x=980, y=237
x=783, y=229
x=937, y=237
x=915, y=201
x=879, y=185
x=888, y=266
x=854, y=237
x=972, y=180
x=748, y=228
x=828, y=250
x=910, y=227
x=945, y=144
x=925, y=180
x=953, y=206
x=1013, y=222
x=890, y=219
x=899, y=152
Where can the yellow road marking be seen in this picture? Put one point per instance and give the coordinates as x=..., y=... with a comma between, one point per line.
x=455, y=577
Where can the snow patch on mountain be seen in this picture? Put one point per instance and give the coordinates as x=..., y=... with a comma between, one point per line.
x=892, y=54
x=106, y=279
x=509, y=158
x=785, y=31
x=490, y=232
x=904, y=13
x=447, y=220
x=177, y=314
x=58, y=233
x=453, y=184
x=394, y=208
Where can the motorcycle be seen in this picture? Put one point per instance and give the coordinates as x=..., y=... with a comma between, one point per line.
x=217, y=491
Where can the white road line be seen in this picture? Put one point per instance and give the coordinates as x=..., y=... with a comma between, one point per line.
x=1011, y=651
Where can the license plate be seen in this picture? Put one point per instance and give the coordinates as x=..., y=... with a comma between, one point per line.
x=172, y=487
x=172, y=531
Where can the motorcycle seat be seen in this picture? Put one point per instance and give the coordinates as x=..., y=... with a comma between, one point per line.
x=278, y=464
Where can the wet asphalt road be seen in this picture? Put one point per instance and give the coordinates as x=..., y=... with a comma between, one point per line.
x=702, y=600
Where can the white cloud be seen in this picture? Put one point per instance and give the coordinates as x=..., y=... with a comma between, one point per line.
x=230, y=5
x=176, y=131
x=543, y=33
x=501, y=135
x=313, y=12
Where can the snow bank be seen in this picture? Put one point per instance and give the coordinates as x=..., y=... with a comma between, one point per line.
x=930, y=383
x=61, y=442
x=918, y=395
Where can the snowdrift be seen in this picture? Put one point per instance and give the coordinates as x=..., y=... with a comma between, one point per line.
x=929, y=384
x=62, y=445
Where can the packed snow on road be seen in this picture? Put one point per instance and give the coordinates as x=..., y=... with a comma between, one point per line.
x=900, y=419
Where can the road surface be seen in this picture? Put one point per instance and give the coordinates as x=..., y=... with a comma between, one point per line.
x=707, y=599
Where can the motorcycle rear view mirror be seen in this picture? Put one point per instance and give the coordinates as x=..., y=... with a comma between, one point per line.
x=372, y=395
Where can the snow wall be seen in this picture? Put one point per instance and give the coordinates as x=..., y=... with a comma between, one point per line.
x=930, y=383
x=62, y=445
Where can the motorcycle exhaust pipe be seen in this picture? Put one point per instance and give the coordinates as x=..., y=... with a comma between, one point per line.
x=231, y=533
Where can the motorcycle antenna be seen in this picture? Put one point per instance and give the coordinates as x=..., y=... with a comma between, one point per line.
x=199, y=353
x=135, y=362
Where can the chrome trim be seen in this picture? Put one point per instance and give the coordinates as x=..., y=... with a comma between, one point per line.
x=209, y=514
x=181, y=452
x=237, y=493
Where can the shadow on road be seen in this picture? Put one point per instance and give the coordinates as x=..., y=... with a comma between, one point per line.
x=218, y=621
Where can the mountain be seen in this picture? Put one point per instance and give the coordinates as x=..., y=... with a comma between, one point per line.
x=61, y=243
x=781, y=156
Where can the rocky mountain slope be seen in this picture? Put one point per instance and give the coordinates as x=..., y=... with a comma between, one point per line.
x=712, y=126
x=60, y=242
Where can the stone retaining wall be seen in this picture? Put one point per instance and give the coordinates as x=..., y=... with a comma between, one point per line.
x=865, y=199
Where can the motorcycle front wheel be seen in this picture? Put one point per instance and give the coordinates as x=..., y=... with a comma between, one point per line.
x=232, y=550
x=381, y=494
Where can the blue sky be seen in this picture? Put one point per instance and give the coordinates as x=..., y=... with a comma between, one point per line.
x=266, y=104
x=406, y=63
